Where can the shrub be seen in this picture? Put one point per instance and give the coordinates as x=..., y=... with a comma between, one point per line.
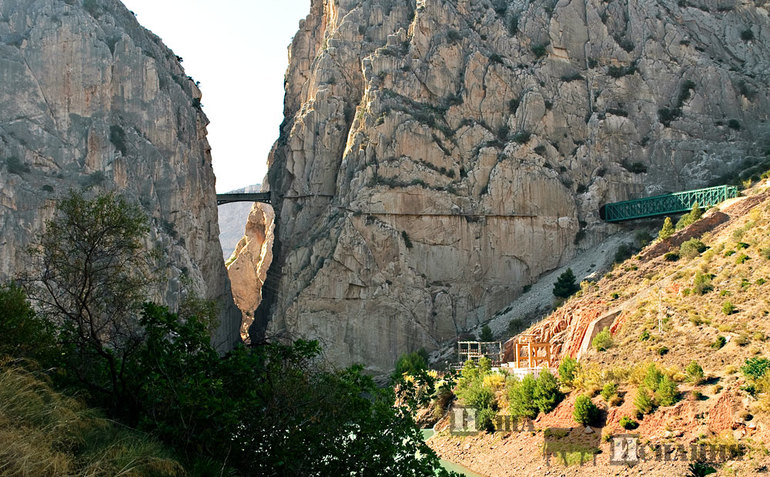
x=609, y=390
x=411, y=363
x=23, y=334
x=643, y=402
x=118, y=138
x=522, y=137
x=623, y=253
x=692, y=248
x=719, y=342
x=540, y=50
x=734, y=124
x=671, y=256
x=652, y=378
x=747, y=35
x=546, y=395
x=486, y=333
x=628, y=423
x=407, y=240
x=694, y=372
x=702, y=283
x=567, y=370
x=690, y=218
x=521, y=395
x=662, y=350
x=565, y=285
x=755, y=368
x=485, y=419
x=741, y=259
x=603, y=340
x=667, y=393
x=585, y=412
x=728, y=308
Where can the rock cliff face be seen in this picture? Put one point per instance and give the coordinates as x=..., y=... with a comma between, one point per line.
x=88, y=98
x=438, y=155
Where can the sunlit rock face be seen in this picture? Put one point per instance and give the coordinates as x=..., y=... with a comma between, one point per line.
x=250, y=261
x=90, y=99
x=438, y=156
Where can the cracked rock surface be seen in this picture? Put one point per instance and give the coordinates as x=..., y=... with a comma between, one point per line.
x=438, y=155
x=89, y=98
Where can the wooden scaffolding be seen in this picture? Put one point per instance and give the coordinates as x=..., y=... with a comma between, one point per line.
x=475, y=350
x=530, y=353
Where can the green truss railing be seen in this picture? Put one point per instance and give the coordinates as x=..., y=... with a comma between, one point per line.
x=666, y=204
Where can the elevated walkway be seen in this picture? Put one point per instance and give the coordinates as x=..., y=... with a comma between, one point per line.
x=666, y=204
x=245, y=197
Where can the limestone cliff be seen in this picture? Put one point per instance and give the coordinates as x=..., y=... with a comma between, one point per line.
x=88, y=98
x=438, y=155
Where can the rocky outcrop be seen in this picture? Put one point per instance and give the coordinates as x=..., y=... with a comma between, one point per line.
x=90, y=99
x=438, y=156
x=250, y=261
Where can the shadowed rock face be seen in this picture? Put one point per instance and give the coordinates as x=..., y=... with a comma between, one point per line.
x=437, y=156
x=88, y=98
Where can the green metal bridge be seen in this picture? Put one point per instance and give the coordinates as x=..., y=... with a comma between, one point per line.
x=666, y=204
x=251, y=197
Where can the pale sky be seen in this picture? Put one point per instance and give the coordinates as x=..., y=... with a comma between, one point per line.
x=237, y=49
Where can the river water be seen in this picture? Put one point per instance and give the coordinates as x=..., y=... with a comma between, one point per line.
x=427, y=434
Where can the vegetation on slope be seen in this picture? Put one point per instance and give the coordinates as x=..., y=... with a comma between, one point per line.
x=274, y=409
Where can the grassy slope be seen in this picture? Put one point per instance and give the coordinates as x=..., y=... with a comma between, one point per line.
x=650, y=289
x=43, y=432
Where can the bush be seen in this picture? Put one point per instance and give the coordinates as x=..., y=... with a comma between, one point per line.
x=643, y=402
x=603, y=340
x=411, y=364
x=522, y=137
x=609, y=390
x=407, y=240
x=540, y=50
x=747, y=35
x=521, y=398
x=547, y=395
x=692, y=248
x=623, y=253
x=719, y=342
x=694, y=372
x=23, y=334
x=565, y=285
x=728, y=308
x=662, y=350
x=486, y=333
x=667, y=230
x=702, y=283
x=755, y=368
x=585, y=412
x=652, y=378
x=567, y=370
x=485, y=420
x=667, y=393
x=734, y=124
x=671, y=256
x=690, y=218
x=628, y=423
x=741, y=259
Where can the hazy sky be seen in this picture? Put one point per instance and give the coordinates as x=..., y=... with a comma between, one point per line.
x=237, y=50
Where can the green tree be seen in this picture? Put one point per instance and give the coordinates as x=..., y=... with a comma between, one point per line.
x=521, y=398
x=667, y=393
x=95, y=274
x=565, y=285
x=690, y=218
x=585, y=412
x=692, y=248
x=567, y=370
x=643, y=401
x=603, y=340
x=667, y=230
x=486, y=334
x=653, y=377
x=23, y=334
x=546, y=395
x=694, y=372
x=411, y=363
